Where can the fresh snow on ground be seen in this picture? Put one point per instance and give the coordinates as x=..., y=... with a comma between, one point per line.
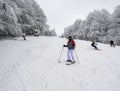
x=32, y=65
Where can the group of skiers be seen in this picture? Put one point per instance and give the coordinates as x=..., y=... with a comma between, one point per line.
x=71, y=47
x=93, y=44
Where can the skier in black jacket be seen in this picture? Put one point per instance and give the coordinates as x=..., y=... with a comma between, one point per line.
x=112, y=43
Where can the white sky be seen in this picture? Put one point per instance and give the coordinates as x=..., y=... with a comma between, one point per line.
x=61, y=13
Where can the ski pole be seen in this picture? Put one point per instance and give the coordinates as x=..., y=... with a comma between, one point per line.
x=60, y=55
x=77, y=56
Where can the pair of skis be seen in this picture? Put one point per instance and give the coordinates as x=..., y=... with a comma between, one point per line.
x=70, y=62
x=98, y=49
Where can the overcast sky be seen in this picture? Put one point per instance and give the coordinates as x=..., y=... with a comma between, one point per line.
x=61, y=13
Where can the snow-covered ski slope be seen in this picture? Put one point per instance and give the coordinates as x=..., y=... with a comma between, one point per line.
x=33, y=66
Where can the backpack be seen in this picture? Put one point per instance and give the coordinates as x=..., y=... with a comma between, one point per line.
x=71, y=44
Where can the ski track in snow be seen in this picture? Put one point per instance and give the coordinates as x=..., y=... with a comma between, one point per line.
x=33, y=66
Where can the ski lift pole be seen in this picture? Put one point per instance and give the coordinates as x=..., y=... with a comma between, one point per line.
x=60, y=55
x=77, y=57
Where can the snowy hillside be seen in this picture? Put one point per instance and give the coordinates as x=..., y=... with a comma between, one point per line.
x=33, y=66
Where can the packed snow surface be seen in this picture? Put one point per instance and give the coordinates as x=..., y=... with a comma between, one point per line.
x=32, y=65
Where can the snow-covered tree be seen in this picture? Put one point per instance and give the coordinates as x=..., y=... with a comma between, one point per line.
x=116, y=24
x=98, y=24
x=21, y=16
x=73, y=29
x=95, y=27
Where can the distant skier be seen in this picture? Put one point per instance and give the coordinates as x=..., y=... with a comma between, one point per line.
x=112, y=43
x=93, y=44
x=71, y=46
x=24, y=36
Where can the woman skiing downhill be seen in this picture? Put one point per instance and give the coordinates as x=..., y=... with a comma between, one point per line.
x=71, y=46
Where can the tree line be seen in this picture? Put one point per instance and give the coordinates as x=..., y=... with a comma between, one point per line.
x=100, y=26
x=18, y=16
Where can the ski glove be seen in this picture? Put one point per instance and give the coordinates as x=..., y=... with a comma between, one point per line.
x=64, y=46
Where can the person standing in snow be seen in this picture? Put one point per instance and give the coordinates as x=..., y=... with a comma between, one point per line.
x=112, y=43
x=24, y=36
x=71, y=46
